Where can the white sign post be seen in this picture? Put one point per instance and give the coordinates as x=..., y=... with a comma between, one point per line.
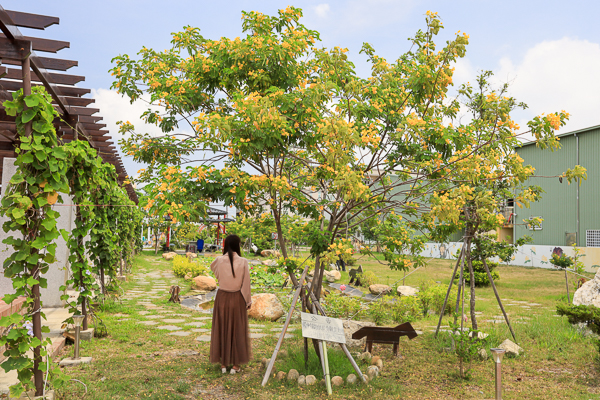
x=324, y=329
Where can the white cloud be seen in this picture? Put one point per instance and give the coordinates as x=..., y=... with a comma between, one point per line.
x=322, y=10
x=114, y=107
x=554, y=76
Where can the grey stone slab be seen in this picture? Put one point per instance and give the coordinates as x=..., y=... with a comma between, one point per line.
x=144, y=312
x=255, y=330
x=280, y=329
x=173, y=320
x=154, y=316
x=203, y=318
x=169, y=327
x=196, y=324
x=286, y=336
x=200, y=330
x=257, y=335
x=180, y=333
x=123, y=319
x=69, y=362
x=203, y=338
x=256, y=326
x=148, y=322
x=352, y=291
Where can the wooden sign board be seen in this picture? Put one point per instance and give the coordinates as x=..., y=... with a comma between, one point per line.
x=322, y=328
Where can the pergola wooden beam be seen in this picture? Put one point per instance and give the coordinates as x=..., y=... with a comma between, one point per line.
x=62, y=79
x=33, y=21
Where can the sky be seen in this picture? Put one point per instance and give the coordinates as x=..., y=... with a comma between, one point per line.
x=549, y=51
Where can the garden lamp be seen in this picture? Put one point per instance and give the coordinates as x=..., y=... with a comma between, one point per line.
x=77, y=320
x=497, y=354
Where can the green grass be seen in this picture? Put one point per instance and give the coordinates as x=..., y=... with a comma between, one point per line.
x=559, y=362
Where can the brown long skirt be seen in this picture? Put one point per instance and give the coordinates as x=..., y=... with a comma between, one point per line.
x=229, y=339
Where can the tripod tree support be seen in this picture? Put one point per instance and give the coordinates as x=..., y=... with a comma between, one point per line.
x=487, y=270
x=449, y=289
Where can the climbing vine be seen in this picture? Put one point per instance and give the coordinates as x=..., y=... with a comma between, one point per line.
x=27, y=204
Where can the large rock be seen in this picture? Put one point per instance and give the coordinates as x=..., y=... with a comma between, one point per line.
x=269, y=253
x=293, y=375
x=589, y=293
x=512, y=349
x=407, y=291
x=204, y=283
x=266, y=306
x=372, y=372
x=169, y=256
x=379, y=289
x=311, y=380
x=269, y=263
x=333, y=276
x=351, y=379
x=352, y=326
x=337, y=381
x=191, y=255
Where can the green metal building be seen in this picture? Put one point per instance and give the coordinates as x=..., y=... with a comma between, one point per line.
x=571, y=213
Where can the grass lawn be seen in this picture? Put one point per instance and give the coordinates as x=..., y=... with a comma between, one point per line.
x=137, y=360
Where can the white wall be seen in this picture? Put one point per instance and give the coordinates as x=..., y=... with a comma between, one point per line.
x=58, y=272
x=526, y=256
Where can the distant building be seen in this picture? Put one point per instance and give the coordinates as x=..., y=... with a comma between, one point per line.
x=571, y=213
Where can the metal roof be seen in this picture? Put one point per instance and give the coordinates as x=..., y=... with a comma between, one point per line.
x=584, y=130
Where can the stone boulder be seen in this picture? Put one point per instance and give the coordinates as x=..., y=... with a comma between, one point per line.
x=269, y=263
x=311, y=380
x=266, y=306
x=379, y=289
x=332, y=276
x=352, y=326
x=589, y=293
x=372, y=372
x=301, y=380
x=293, y=375
x=169, y=256
x=270, y=253
x=281, y=375
x=191, y=255
x=351, y=379
x=337, y=381
x=204, y=283
x=512, y=349
x=407, y=291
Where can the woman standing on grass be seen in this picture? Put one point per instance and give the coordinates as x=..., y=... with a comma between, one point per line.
x=230, y=342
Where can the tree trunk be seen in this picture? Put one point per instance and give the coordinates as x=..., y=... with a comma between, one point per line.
x=472, y=284
x=567, y=282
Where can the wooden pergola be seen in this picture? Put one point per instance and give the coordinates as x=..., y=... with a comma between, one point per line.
x=21, y=68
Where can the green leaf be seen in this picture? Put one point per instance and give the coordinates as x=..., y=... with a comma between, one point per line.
x=27, y=115
x=16, y=179
x=32, y=100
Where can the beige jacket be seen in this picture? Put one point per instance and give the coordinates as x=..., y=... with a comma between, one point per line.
x=221, y=267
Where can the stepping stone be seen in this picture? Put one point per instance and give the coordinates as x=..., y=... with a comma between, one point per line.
x=181, y=333
x=255, y=330
x=203, y=338
x=206, y=318
x=148, y=322
x=180, y=315
x=280, y=329
x=200, y=330
x=155, y=297
x=162, y=310
x=144, y=312
x=154, y=316
x=173, y=320
x=135, y=291
x=123, y=319
x=170, y=327
x=252, y=325
x=120, y=315
x=257, y=335
x=286, y=336
x=534, y=304
x=196, y=324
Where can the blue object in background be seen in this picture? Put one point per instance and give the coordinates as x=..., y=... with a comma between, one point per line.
x=200, y=245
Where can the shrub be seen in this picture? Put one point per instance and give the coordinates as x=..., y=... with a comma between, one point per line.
x=481, y=278
x=342, y=306
x=261, y=275
x=589, y=315
x=432, y=295
x=182, y=265
x=398, y=310
x=367, y=278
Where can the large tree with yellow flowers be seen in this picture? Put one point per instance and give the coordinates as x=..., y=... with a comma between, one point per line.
x=270, y=121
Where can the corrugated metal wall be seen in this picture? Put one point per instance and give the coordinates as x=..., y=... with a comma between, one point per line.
x=558, y=206
x=589, y=192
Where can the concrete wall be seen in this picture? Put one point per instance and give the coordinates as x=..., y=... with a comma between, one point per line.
x=526, y=256
x=58, y=272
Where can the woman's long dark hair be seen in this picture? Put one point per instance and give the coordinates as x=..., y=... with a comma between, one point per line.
x=232, y=244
